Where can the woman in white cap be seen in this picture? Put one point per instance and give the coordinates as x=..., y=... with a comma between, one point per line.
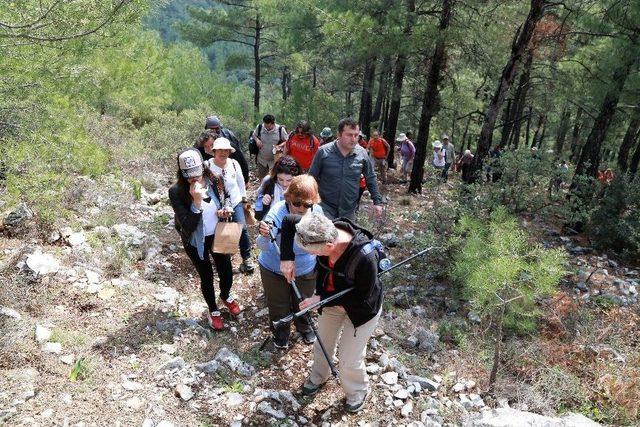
x=236, y=193
x=196, y=202
x=408, y=152
x=438, y=155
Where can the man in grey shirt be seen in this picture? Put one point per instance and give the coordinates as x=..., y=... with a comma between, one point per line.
x=449, y=156
x=267, y=135
x=337, y=167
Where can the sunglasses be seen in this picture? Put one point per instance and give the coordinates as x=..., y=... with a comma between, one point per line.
x=299, y=203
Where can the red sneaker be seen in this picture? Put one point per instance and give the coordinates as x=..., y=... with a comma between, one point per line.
x=233, y=306
x=215, y=321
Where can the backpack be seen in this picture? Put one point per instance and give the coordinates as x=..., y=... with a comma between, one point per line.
x=253, y=147
x=373, y=246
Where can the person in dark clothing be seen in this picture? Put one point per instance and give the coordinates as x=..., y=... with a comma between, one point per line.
x=214, y=123
x=196, y=202
x=348, y=321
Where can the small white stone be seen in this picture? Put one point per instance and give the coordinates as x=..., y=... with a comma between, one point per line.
x=168, y=348
x=52, y=347
x=131, y=385
x=390, y=378
x=401, y=394
x=184, y=392
x=47, y=413
x=407, y=409
x=134, y=403
x=68, y=359
x=42, y=334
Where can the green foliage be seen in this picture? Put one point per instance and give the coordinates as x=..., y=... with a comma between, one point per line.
x=316, y=106
x=80, y=371
x=615, y=223
x=497, y=264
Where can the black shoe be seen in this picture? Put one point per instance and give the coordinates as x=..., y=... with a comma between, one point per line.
x=280, y=344
x=308, y=336
x=247, y=266
x=356, y=407
x=310, y=389
x=281, y=337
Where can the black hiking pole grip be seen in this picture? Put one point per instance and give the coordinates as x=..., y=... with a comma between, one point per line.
x=306, y=316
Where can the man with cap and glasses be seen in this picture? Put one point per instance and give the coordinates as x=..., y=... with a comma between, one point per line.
x=214, y=123
x=348, y=321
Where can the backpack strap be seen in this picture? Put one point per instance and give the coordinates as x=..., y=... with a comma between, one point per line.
x=259, y=130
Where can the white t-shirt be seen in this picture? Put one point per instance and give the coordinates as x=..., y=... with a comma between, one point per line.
x=209, y=217
x=233, y=180
x=437, y=160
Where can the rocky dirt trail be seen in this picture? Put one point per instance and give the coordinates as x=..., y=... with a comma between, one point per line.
x=103, y=324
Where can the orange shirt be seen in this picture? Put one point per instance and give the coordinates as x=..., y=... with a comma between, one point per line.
x=377, y=146
x=300, y=148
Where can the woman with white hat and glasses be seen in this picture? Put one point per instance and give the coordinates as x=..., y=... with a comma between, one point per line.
x=236, y=199
x=196, y=201
x=439, y=157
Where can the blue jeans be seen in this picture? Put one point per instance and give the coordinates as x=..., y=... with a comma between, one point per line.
x=445, y=171
x=245, y=243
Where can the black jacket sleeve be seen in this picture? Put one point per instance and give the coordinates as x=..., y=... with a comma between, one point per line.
x=238, y=155
x=287, y=233
x=187, y=219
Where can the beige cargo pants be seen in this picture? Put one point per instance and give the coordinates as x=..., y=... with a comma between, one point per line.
x=333, y=326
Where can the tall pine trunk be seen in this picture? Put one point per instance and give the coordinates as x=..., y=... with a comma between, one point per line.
x=630, y=138
x=430, y=100
x=396, y=92
x=521, y=99
x=256, y=60
x=589, y=161
x=575, y=136
x=518, y=49
x=366, y=97
x=382, y=88
x=563, y=129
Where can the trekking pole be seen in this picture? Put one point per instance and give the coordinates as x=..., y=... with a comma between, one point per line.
x=385, y=266
x=307, y=316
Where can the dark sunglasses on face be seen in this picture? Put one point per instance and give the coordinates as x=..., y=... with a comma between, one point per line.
x=300, y=203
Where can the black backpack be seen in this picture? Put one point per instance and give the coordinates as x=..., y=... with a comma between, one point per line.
x=373, y=246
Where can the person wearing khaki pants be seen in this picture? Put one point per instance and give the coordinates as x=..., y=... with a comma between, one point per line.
x=348, y=321
x=335, y=328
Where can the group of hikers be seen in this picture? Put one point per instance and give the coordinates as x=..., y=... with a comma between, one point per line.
x=306, y=204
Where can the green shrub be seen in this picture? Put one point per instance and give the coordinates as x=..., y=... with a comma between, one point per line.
x=615, y=223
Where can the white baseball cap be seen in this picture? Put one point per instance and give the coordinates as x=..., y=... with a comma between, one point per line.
x=190, y=163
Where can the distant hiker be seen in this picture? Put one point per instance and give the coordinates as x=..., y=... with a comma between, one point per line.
x=326, y=136
x=408, y=153
x=362, y=186
x=449, y=156
x=438, y=161
x=344, y=260
x=466, y=166
x=274, y=185
x=494, y=161
x=234, y=185
x=302, y=145
x=362, y=141
x=214, y=123
x=267, y=136
x=379, y=149
x=560, y=174
x=197, y=199
x=605, y=176
x=301, y=197
x=337, y=167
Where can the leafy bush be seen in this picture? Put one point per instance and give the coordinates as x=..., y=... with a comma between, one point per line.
x=615, y=223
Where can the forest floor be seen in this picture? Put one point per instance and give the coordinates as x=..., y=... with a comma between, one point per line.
x=112, y=330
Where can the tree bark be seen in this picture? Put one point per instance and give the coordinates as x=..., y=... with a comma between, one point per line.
x=537, y=135
x=518, y=49
x=396, y=92
x=633, y=167
x=521, y=99
x=430, y=104
x=382, y=88
x=589, y=161
x=314, y=75
x=256, y=60
x=464, y=135
x=630, y=138
x=366, y=97
x=563, y=129
x=575, y=136
x=528, y=132
x=507, y=123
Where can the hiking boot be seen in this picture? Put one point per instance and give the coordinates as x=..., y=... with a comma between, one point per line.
x=247, y=266
x=215, y=321
x=281, y=336
x=232, y=306
x=356, y=407
x=281, y=343
x=308, y=337
x=310, y=389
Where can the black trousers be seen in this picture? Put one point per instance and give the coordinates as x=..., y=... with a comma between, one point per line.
x=205, y=271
